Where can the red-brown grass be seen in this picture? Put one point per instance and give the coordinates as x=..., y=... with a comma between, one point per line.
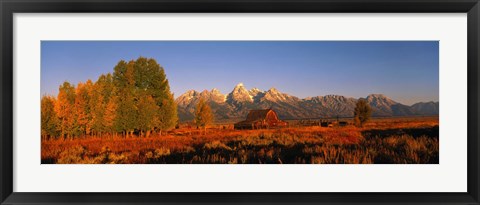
x=397, y=140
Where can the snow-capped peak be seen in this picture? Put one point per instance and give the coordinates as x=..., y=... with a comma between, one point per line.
x=273, y=90
x=380, y=99
x=239, y=94
x=274, y=95
x=239, y=85
x=255, y=90
x=186, y=97
x=215, y=90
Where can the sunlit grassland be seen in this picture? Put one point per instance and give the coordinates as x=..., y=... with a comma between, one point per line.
x=394, y=140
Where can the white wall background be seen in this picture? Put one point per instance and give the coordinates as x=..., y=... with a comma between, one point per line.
x=449, y=176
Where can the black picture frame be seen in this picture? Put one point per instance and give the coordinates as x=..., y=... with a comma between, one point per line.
x=9, y=7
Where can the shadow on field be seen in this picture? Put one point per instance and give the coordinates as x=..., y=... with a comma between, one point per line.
x=236, y=152
x=431, y=132
x=409, y=146
x=391, y=146
x=375, y=146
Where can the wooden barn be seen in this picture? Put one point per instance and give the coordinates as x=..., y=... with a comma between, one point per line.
x=260, y=119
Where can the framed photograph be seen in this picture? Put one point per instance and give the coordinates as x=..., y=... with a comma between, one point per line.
x=251, y=102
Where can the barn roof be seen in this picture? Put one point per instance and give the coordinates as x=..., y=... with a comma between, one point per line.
x=266, y=117
x=255, y=115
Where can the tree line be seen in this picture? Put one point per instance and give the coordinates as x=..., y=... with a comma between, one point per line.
x=134, y=100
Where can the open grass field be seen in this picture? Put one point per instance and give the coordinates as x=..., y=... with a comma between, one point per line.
x=380, y=141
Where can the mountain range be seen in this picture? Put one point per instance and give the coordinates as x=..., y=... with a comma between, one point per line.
x=236, y=104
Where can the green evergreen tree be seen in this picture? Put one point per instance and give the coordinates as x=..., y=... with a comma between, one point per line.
x=102, y=92
x=136, y=98
x=124, y=81
x=146, y=114
x=151, y=80
x=97, y=105
x=167, y=114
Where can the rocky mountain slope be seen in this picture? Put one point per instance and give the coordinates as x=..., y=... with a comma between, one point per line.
x=236, y=104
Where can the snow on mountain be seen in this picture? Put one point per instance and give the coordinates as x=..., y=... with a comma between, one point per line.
x=239, y=95
x=236, y=104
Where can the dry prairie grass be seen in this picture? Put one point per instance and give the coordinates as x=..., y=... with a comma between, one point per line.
x=398, y=140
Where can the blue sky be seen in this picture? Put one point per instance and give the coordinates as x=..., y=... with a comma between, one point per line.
x=406, y=71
